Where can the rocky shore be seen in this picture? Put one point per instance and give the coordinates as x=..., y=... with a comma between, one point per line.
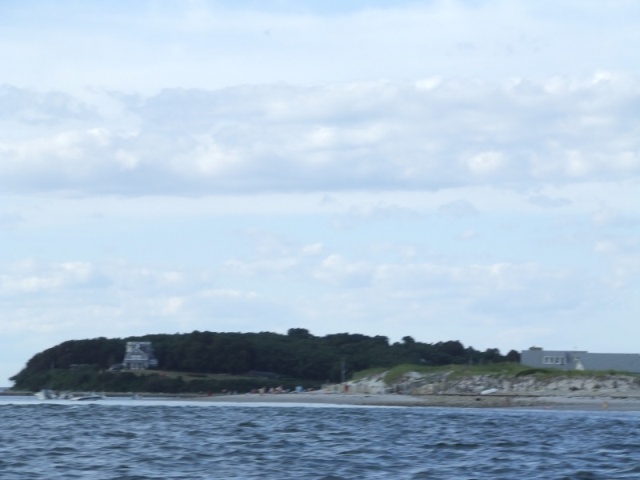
x=566, y=392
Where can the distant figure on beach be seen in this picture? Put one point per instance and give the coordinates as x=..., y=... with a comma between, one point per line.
x=605, y=405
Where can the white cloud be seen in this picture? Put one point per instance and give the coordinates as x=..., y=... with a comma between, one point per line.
x=29, y=277
x=381, y=135
x=485, y=163
x=168, y=306
x=337, y=271
x=313, y=249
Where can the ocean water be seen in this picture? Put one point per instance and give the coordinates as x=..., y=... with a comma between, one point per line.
x=120, y=439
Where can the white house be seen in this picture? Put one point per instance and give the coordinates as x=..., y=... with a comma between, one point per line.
x=139, y=355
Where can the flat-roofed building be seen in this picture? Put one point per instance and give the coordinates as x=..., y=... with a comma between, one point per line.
x=580, y=360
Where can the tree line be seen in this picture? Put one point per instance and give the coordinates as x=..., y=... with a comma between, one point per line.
x=297, y=355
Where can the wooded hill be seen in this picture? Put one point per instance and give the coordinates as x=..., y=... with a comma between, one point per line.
x=209, y=361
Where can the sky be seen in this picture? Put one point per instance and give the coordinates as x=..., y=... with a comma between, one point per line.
x=447, y=169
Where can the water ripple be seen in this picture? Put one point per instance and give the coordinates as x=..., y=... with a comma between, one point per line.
x=168, y=441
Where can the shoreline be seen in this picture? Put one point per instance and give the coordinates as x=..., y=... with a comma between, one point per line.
x=542, y=401
x=602, y=401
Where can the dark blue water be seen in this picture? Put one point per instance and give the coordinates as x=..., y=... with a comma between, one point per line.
x=164, y=440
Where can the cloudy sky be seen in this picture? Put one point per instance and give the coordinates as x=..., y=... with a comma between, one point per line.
x=451, y=170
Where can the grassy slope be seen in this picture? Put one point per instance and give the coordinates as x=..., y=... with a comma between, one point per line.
x=504, y=370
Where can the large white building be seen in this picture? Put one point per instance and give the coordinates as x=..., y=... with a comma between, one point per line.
x=139, y=355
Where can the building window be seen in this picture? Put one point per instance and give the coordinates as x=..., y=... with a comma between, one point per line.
x=553, y=360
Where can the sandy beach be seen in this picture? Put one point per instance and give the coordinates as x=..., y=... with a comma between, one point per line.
x=557, y=402
x=605, y=401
